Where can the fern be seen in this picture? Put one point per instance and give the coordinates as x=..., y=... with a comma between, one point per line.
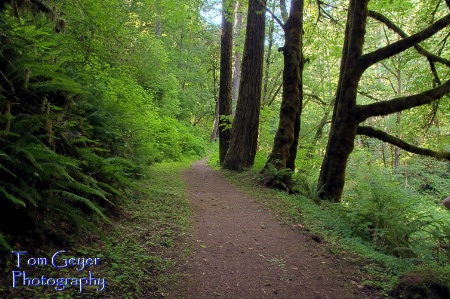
x=77, y=198
x=108, y=188
x=308, y=188
x=12, y=198
x=7, y=171
x=83, y=189
x=25, y=192
x=279, y=178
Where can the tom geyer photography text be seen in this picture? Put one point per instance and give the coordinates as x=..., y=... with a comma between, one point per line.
x=58, y=260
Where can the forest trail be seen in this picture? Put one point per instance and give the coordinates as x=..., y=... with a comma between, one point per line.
x=240, y=250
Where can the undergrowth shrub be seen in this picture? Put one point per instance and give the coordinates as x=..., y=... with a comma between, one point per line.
x=72, y=135
x=396, y=219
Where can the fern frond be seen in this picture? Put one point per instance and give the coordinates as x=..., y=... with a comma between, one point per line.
x=12, y=198
x=74, y=197
x=108, y=188
x=24, y=191
x=121, y=161
x=82, y=188
x=7, y=170
x=76, y=217
x=54, y=169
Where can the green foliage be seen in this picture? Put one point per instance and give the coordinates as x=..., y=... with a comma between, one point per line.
x=157, y=218
x=282, y=179
x=385, y=213
x=81, y=114
x=308, y=187
x=287, y=180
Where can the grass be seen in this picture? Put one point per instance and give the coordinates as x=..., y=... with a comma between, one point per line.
x=140, y=250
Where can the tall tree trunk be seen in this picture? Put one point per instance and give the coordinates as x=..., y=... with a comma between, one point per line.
x=226, y=75
x=397, y=121
x=244, y=135
x=343, y=124
x=267, y=59
x=237, y=54
x=215, y=128
x=347, y=115
x=286, y=139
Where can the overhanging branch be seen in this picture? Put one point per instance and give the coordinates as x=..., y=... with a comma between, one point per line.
x=379, y=17
x=383, y=136
x=402, y=103
x=371, y=58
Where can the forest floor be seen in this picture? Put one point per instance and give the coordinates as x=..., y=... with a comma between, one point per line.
x=240, y=249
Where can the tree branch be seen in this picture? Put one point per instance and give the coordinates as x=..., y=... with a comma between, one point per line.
x=366, y=60
x=272, y=14
x=275, y=95
x=402, y=103
x=367, y=95
x=379, y=17
x=383, y=136
x=323, y=12
x=315, y=97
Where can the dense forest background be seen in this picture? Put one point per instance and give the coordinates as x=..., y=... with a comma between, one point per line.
x=93, y=92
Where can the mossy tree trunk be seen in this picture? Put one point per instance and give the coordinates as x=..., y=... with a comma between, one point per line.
x=244, y=133
x=347, y=115
x=226, y=76
x=285, y=145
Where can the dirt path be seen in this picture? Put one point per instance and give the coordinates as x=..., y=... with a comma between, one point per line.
x=241, y=251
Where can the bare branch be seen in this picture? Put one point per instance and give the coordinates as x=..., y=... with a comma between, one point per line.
x=315, y=97
x=383, y=136
x=433, y=14
x=388, y=68
x=322, y=11
x=443, y=43
x=274, y=96
x=367, y=95
x=272, y=14
x=371, y=58
x=430, y=56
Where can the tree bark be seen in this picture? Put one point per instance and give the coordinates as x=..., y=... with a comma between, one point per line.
x=286, y=139
x=226, y=75
x=237, y=55
x=347, y=115
x=343, y=123
x=268, y=60
x=244, y=135
x=215, y=128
